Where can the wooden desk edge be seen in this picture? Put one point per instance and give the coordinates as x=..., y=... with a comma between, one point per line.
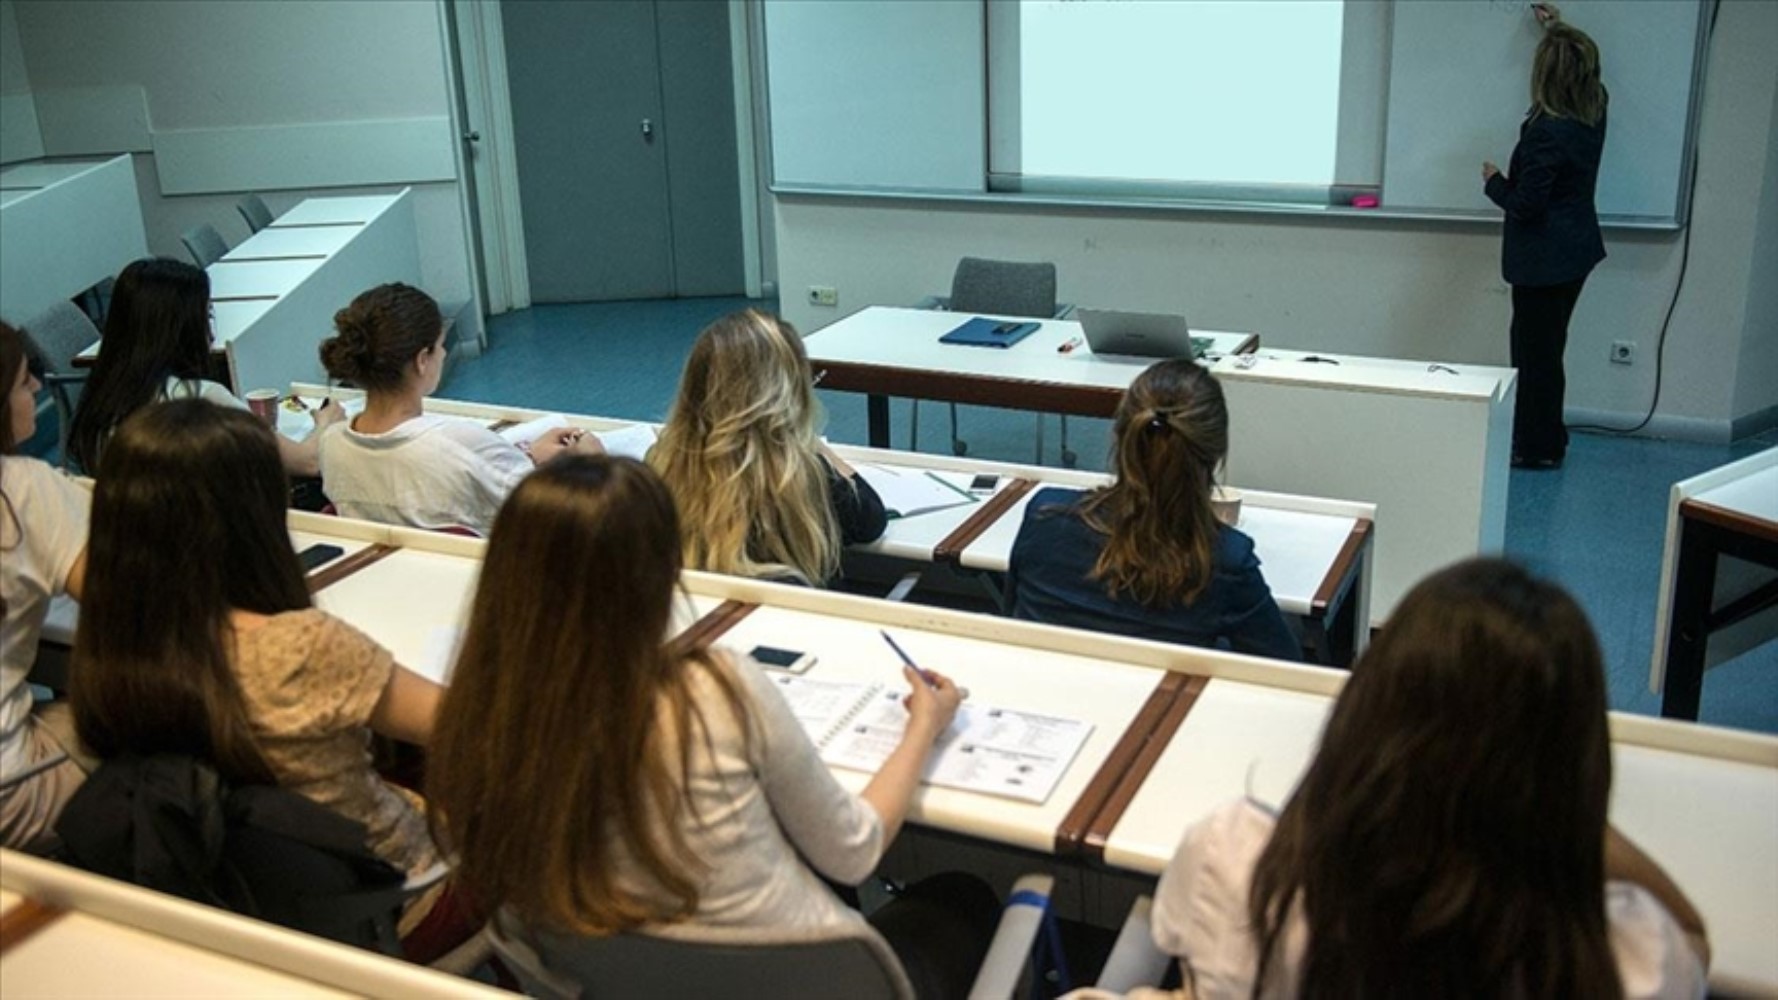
x=1731, y=520
x=1123, y=757
x=1098, y=834
x=330, y=575
x=985, y=390
x=950, y=549
x=1344, y=570
x=24, y=920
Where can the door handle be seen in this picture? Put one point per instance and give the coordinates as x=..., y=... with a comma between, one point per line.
x=472, y=137
x=648, y=130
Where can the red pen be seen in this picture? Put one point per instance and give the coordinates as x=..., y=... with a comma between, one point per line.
x=1068, y=345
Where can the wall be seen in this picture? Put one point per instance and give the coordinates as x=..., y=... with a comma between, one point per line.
x=1756, y=383
x=292, y=99
x=1416, y=290
x=19, y=136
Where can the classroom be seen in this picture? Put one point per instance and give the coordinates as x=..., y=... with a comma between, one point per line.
x=591, y=198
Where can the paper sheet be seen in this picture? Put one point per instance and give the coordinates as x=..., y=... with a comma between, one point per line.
x=629, y=442
x=911, y=492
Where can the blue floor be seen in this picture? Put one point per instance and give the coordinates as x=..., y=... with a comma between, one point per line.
x=1596, y=526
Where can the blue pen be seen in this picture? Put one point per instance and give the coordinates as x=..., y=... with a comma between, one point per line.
x=905, y=658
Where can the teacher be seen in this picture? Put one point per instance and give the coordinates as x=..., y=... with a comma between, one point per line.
x=1552, y=239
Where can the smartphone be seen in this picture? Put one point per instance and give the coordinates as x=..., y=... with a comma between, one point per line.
x=984, y=483
x=1007, y=328
x=788, y=660
x=316, y=554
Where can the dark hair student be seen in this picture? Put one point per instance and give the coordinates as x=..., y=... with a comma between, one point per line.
x=1450, y=837
x=1146, y=556
x=697, y=798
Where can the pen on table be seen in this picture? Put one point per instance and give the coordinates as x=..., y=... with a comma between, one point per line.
x=1068, y=345
x=911, y=665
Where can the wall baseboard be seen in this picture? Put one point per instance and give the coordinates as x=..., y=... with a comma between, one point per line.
x=293, y=157
x=1757, y=422
x=1662, y=425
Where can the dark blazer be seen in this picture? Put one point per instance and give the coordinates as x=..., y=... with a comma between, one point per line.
x=1552, y=230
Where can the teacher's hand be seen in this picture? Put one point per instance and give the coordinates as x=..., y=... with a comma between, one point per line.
x=1546, y=13
x=1488, y=171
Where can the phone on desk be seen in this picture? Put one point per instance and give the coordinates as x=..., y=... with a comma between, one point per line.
x=317, y=554
x=788, y=660
x=984, y=483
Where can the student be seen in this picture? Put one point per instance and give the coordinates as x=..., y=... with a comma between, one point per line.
x=198, y=636
x=157, y=346
x=395, y=463
x=594, y=779
x=1450, y=838
x=759, y=493
x=43, y=518
x=1146, y=556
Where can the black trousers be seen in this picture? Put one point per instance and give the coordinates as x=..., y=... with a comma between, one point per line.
x=1539, y=338
x=940, y=928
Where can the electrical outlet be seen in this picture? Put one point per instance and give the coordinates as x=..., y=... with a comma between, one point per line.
x=824, y=295
x=1623, y=352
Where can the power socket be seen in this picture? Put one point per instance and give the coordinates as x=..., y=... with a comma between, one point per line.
x=824, y=295
x=1623, y=352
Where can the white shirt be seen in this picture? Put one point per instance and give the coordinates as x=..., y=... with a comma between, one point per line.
x=429, y=472
x=197, y=388
x=40, y=538
x=1200, y=915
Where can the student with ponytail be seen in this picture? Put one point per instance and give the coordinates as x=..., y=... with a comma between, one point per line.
x=396, y=463
x=1146, y=556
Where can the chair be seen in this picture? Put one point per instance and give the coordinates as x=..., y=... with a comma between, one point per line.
x=169, y=823
x=1134, y=959
x=254, y=211
x=53, y=339
x=742, y=963
x=205, y=244
x=1002, y=288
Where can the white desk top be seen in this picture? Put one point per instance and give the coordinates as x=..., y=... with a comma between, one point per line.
x=257, y=278
x=1753, y=495
x=305, y=241
x=1356, y=373
x=908, y=338
x=348, y=210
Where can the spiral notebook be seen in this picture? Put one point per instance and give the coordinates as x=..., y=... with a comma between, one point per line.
x=996, y=751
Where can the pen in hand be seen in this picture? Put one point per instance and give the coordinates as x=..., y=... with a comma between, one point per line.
x=911, y=665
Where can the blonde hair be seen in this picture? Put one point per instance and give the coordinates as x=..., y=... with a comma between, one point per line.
x=739, y=452
x=1565, y=76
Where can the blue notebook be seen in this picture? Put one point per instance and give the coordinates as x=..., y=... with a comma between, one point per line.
x=984, y=332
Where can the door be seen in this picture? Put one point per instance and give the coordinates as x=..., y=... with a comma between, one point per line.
x=623, y=121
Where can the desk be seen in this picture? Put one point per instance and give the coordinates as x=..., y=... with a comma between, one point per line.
x=280, y=244
x=352, y=210
x=1719, y=576
x=886, y=351
x=1702, y=802
x=84, y=935
x=258, y=279
x=65, y=227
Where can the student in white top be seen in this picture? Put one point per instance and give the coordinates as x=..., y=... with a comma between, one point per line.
x=1450, y=838
x=157, y=347
x=394, y=462
x=43, y=527
x=596, y=780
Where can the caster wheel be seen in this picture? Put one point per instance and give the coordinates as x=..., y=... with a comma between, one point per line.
x=1070, y=459
x=959, y=447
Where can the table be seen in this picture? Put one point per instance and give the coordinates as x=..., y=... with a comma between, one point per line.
x=351, y=210
x=1719, y=576
x=65, y=227
x=296, y=242
x=886, y=351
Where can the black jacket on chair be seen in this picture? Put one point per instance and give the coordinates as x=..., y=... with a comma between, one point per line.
x=1552, y=229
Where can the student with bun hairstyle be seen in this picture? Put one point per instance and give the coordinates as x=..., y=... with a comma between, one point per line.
x=1146, y=556
x=43, y=519
x=1450, y=838
x=759, y=493
x=594, y=778
x=157, y=346
x=396, y=463
x=198, y=636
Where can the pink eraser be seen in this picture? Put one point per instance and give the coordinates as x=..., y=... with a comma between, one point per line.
x=1364, y=201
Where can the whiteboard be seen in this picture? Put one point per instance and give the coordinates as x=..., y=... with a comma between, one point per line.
x=1459, y=83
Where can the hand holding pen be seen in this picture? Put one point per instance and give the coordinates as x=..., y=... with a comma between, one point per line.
x=933, y=698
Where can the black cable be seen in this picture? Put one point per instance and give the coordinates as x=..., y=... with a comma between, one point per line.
x=1685, y=256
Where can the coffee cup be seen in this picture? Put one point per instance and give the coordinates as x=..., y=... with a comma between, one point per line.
x=264, y=404
x=1225, y=503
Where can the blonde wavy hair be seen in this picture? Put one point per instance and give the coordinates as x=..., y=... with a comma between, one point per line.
x=739, y=452
x=1565, y=76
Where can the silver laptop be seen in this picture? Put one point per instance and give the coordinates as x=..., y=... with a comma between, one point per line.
x=1145, y=335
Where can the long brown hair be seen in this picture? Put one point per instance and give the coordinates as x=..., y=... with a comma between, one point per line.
x=1448, y=839
x=12, y=360
x=561, y=748
x=187, y=525
x=1565, y=76
x=158, y=328
x=738, y=450
x=1170, y=433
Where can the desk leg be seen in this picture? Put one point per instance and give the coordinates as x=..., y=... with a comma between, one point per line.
x=1688, y=633
x=877, y=410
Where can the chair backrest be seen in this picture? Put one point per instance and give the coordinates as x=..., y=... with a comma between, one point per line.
x=57, y=334
x=1008, y=288
x=205, y=244
x=736, y=963
x=253, y=209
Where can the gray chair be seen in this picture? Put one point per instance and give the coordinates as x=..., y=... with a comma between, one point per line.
x=1001, y=288
x=253, y=209
x=205, y=244
x=744, y=963
x=53, y=339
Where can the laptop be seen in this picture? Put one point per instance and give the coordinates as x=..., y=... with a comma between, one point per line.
x=1144, y=335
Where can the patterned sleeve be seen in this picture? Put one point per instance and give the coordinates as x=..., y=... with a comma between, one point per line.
x=348, y=673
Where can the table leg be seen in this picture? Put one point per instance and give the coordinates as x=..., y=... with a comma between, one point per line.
x=877, y=411
x=1688, y=633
